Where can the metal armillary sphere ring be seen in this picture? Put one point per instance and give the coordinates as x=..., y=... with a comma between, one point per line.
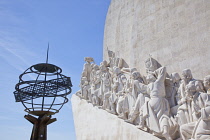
x=43, y=96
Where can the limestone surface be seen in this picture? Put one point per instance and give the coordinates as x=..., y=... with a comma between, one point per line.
x=92, y=123
x=174, y=32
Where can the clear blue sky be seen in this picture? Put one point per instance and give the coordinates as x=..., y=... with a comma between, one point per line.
x=74, y=29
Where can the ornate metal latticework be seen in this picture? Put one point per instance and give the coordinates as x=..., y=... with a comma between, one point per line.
x=49, y=84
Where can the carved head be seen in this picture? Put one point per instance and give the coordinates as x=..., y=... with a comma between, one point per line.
x=135, y=75
x=175, y=77
x=111, y=54
x=206, y=82
x=199, y=86
x=151, y=64
x=83, y=80
x=150, y=78
x=190, y=89
x=103, y=66
x=96, y=67
x=104, y=63
x=89, y=59
x=187, y=75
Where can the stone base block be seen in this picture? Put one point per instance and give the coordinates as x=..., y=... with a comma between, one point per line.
x=92, y=123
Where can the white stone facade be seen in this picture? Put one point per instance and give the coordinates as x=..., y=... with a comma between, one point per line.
x=92, y=123
x=174, y=32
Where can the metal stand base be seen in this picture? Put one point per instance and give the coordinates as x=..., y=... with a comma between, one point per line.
x=39, y=131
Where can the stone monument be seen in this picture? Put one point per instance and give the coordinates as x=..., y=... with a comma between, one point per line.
x=174, y=32
x=154, y=81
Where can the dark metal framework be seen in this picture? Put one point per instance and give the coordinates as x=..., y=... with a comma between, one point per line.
x=49, y=83
x=28, y=90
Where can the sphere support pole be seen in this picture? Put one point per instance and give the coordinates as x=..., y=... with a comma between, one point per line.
x=39, y=131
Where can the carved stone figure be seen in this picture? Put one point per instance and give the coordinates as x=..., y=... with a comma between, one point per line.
x=199, y=86
x=142, y=92
x=113, y=61
x=176, y=80
x=85, y=79
x=117, y=94
x=156, y=110
x=105, y=85
x=95, y=85
x=129, y=98
x=84, y=88
x=199, y=129
x=184, y=109
x=133, y=82
x=206, y=83
x=151, y=65
x=172, y=86
x=87, y=68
